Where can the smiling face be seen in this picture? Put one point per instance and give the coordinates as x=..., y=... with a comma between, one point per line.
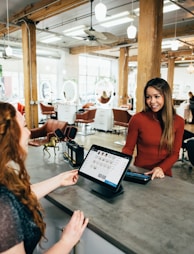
x=25, y=133
x=154, y=99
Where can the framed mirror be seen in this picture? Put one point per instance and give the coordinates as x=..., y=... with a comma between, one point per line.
x=46, y=91
x=104, y=91
x=70, y=91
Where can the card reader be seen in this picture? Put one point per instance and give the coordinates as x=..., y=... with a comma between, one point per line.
x=137, y=177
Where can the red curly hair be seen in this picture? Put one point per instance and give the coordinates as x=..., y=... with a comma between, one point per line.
x=16, y=178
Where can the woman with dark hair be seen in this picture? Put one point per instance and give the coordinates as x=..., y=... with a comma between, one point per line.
x=21, y=222
x=191, y=105
x=156, y=131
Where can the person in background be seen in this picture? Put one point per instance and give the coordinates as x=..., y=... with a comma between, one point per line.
x=156, y=131
x=191, y=105
x=21, y=222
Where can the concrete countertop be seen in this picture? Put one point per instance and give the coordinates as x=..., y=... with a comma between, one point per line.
x=145, y=219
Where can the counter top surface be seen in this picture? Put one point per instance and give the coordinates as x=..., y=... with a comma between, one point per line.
x=154, y=218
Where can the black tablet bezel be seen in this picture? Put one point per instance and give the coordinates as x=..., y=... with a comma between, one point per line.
x=105, y=149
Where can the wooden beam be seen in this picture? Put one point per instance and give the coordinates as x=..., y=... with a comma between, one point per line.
x=123, y=76
x=46, y=9
x=184, y=28
x=149, y=45
x=170, y=77
x=86, y=49
x=30, y=74
x=39, y=11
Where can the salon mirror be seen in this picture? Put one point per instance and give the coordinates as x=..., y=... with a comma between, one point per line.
x=104, y=91
x=46, y=90
x=70, y=91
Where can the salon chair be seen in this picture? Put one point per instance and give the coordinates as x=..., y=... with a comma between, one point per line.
x=42, y=134
x=121, y=118
x=190, y=152
x=86, y=118
x=47, y=110
x=186, y=136
x=21, y=108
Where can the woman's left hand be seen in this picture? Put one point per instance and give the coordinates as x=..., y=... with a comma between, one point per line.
x=69, y=177
x=156, y=172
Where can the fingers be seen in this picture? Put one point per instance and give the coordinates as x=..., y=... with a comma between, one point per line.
x=156, y=173
x=77, y=224
x=160, y=176
x=79, y=218
x=73, y=231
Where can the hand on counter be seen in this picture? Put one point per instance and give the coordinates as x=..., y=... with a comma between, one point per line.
x=156, y=172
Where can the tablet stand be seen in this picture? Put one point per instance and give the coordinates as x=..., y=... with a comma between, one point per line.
x=105, y=192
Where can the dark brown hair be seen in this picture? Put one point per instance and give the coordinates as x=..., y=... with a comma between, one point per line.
x=167, y=113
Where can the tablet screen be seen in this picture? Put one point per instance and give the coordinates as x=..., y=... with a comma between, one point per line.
x=105, y=166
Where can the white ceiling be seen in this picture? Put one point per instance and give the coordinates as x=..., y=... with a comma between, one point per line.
x=81, y=16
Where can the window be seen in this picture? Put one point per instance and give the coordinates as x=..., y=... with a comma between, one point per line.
x=91, y=69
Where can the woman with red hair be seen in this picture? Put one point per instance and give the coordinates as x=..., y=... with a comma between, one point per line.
x=21, y=221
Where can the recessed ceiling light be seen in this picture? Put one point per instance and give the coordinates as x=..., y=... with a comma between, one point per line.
x=75, y=31
x=117, y=19
x=50, y=39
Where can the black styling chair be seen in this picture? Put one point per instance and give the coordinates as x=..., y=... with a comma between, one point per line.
x=190, y=152
x=69, y=133
x=187, y=135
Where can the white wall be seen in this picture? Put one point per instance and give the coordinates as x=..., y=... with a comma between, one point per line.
x=183, y=82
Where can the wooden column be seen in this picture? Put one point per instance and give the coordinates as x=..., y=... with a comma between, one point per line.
x=170, y=77
x=30, y=74
x=149, y=45
x=123, y=76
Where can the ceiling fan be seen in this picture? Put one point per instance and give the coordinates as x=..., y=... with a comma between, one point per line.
x=99, y=37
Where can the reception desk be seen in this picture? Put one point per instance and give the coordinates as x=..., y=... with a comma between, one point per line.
x=145, y=219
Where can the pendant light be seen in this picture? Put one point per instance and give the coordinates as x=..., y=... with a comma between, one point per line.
x=131, y=30
x=100, y=11
x=8, y=49
x=175, y=42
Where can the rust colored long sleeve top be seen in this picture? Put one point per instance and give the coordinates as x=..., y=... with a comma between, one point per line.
x=145, y=132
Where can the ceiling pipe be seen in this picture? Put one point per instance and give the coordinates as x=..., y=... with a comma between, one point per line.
x=182, y=7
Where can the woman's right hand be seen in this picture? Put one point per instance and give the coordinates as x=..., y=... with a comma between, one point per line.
x=156, y=172
x=74, y=229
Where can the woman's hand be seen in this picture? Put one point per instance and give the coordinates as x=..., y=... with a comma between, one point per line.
x=156, y=172
x=71, y=235
x=69, y=177
x=74, y=229
x=64, y=179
